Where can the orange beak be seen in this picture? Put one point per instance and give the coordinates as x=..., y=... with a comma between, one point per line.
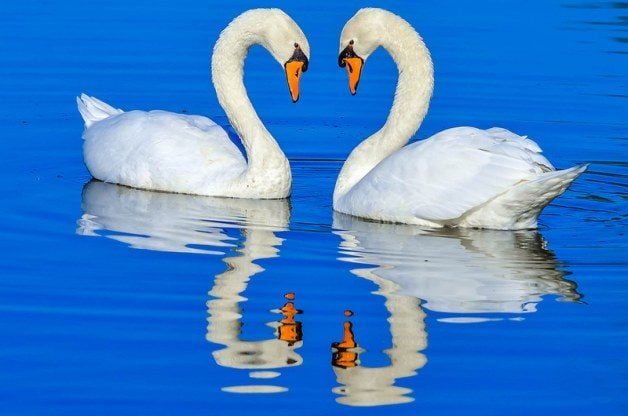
x=348, y=59
x=354, y=70
x=294, y=69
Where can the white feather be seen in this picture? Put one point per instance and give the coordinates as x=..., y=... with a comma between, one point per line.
x=92, y=109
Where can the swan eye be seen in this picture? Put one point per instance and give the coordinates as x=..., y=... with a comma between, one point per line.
x=347, y=53
x=298, y=55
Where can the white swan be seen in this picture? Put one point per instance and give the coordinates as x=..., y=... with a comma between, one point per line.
x=463, y=176
x=171, y=152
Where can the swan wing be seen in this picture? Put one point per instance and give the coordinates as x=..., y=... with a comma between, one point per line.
x=161, y=150
x=447, y=175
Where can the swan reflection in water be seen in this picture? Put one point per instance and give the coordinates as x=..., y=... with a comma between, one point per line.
x=469, y=275
x=196, y=224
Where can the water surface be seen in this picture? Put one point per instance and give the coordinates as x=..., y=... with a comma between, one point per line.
x=120, y=301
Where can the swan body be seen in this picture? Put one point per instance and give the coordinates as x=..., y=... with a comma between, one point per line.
x=169, y=152
x=460, y=177
x=164, y=151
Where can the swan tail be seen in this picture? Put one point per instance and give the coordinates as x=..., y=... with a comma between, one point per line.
x=93, y=110
x=519, y=208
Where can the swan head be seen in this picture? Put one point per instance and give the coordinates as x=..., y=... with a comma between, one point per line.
x=272, y=29
x=294, y=67
x=287, y=43
x=360, y=37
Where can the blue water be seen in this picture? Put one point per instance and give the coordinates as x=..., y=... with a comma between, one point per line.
x=115, y=301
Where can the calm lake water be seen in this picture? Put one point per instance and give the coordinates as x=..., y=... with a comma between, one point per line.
x=115, y=301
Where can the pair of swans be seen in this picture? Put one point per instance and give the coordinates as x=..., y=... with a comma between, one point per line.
x=464, y=176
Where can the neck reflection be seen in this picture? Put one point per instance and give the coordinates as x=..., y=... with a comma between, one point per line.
x=196, y=224
x=225, y=314
x=376, y=386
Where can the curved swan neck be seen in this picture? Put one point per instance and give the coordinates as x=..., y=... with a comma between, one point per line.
x=414, y=86
x=264, y=155
x=410, y=105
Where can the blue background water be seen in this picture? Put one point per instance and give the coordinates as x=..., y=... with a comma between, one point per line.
x=507, y=323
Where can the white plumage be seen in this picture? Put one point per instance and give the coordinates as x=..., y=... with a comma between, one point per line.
x=160, y=150
x=463, y=176
x=164, y=151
